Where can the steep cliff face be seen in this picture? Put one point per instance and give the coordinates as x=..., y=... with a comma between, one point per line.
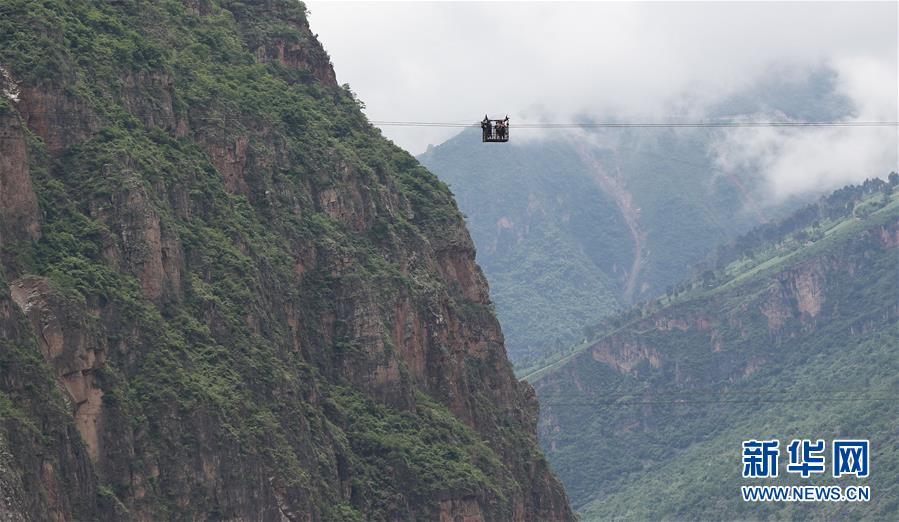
x=46, y=472
x=19, y=219
x=235, y=299
x=789, y=305
x=800, y=340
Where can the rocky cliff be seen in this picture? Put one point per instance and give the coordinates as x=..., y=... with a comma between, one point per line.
x=225, y=296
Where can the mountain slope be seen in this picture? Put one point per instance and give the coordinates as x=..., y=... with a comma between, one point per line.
x=225, y=296
x=790, y=333
x=534, y=218
x=602, y=219
x=603, y=225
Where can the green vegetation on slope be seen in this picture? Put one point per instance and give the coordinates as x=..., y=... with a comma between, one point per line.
x=763, y=250
x=794, y=336
x=552, y=216
x=241, y=244
x=542, y=231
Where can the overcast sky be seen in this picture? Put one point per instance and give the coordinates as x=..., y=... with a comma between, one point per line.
x=553, y=61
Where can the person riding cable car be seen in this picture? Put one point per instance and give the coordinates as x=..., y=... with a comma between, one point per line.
x=494, y=131
x=501, y=127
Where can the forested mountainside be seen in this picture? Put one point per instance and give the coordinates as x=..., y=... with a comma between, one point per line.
x=552, y=243
x=225, y=296
x=791, y=331
x=570, y=228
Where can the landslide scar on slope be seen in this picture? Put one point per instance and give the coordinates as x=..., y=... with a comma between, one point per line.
x=615, y=188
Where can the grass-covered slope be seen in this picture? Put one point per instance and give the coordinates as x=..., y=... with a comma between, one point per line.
x=225, y=295
x=792, y=331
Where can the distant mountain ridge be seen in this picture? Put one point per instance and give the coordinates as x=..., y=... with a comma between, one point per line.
x=571, y=227
x=790, y=331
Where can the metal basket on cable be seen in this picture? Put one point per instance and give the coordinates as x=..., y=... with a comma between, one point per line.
x=495, y=131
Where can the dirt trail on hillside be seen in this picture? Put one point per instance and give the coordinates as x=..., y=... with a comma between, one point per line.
x=614, y=187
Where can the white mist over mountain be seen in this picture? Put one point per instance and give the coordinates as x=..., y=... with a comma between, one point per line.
x=452, y=62
x=797, y=160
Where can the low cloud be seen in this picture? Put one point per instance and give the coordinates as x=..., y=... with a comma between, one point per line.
x=804, y=160
x=625, y=61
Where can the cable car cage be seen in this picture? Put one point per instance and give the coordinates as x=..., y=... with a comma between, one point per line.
x=495, y=131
